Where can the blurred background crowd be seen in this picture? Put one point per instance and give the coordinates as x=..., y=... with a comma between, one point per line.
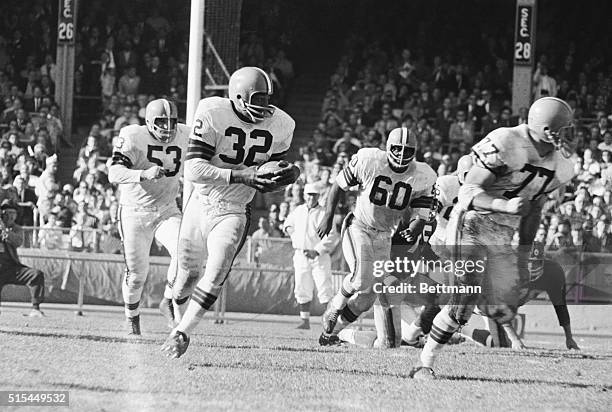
x=450, y=93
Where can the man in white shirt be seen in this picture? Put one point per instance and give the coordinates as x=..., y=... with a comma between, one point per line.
x=607, y=143
x=312, y=259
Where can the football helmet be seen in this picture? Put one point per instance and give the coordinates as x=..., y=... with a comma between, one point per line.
x=550, y=120
x=463, y=167
x=161, y=117
x=250, y=89
x=401, y=147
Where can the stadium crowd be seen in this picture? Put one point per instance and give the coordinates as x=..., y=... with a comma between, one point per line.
x=123, y=61
x=450, y=100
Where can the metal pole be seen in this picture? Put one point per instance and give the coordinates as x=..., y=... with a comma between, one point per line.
x=194, y=73
x=196, y=46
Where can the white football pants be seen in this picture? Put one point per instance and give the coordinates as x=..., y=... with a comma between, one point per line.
x=138, y=226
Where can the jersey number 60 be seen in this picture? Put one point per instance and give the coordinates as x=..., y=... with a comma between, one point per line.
x=379, y=195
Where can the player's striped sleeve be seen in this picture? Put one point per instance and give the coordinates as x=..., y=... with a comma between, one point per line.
x=347, y=178
x=121, y=159
x=198, y=149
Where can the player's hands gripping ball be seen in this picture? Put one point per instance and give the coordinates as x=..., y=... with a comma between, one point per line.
x=252, y=177
x=283, y=173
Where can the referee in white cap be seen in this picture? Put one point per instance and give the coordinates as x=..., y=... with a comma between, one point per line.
x=312, y=259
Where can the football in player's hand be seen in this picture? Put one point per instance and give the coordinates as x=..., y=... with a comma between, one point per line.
x=282, y=173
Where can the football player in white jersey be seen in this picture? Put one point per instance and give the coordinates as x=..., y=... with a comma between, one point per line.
x=390, y=181
x=147, y=163
x=447, y=195
x=514, y=170
x=230, y=138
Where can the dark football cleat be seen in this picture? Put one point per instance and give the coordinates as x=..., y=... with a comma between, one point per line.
x=422, y=373
x=329, y=319
x=167, y=310
x=304, y=325
x=176, y=344
x=133, y=325
x=329, y=340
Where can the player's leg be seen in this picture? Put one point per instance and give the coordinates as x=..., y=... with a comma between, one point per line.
x=191, y=250
x=419, y=326
x=167, y=234
x=224, y=241
x=372, y=247
x=137, y=237
x=34, y=279
x=304, y=286
x=358, y=251
x=461, y=305
x=388, y=323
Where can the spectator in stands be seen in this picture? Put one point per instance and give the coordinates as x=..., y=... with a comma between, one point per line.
x=12, y=271
x=129, y=83
x=264, y=231
x=50, y=236
x=461, y=130
x=26, y=202
x=81, y=236
x=47, y=186
x=562, y=239
x=543, y=84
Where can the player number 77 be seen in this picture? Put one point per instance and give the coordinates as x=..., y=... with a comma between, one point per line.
x=533, y=172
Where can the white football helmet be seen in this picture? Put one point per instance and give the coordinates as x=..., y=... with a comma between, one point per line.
x=550, y=120
x=464, y=164
x=248, y=83
x=401, y=147
x=161, y=117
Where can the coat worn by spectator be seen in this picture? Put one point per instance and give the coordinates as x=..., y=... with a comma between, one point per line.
x=12, y=271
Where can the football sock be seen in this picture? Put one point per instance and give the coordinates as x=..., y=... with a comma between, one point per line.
x=339, y=301
x=441, y=331
x=131, y=309
x=199, y=304
x=388, y=325
x=347, y=316
x=305, y=310
x=180, y=306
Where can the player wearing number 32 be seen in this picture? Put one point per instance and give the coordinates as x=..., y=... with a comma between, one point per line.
x=392, y=185
x=147, y=163
x=231, y=137
x=514, y=170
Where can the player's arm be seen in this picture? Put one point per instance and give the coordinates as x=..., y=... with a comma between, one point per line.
x=122, y=170
x=290, y=173
x=348, y=177
x=200, y=151
x=473, y=194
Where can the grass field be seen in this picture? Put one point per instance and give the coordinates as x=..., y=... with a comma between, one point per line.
x=265, y=364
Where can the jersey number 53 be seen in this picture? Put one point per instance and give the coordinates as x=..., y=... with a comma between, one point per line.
x=400, y=193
